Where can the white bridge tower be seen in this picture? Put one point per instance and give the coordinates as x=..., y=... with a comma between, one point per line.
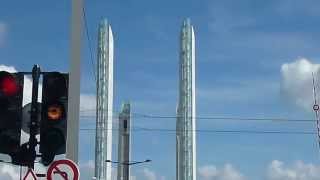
x=104, y=102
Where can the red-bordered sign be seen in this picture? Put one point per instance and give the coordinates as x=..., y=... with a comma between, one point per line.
x=55, y=169
x=33, y=175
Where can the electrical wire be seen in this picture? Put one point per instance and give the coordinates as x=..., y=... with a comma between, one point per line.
x=146, y=116
x=137, y=129
x=89, y=44
x=227, y=118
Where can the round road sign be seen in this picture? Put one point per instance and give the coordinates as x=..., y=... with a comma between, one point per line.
x=65, y=169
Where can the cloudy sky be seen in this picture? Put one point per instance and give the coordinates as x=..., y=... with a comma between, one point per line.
x=254, y=59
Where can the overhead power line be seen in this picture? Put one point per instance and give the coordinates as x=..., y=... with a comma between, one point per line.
x=165, y=130
x=89, y=43
x=269, y=119
x=227, y=118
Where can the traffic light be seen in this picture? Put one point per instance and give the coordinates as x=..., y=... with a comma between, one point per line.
x=53, y=125
x=11, y=95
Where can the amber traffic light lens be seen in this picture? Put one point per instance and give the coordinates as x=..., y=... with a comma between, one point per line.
x=55, y=112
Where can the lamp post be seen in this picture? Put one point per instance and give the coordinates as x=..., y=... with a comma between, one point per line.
x=124, y=167
x=129, y=163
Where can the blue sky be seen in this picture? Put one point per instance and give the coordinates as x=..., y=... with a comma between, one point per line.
x=241, y=50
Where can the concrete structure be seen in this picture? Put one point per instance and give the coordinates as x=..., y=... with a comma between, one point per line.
x=186, y=111
x=124, y=143
x=104, y=102
x=74, y=80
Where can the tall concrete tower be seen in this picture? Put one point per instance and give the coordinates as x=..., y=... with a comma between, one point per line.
x=186, y=111
x=124, y=142
x=104, y=102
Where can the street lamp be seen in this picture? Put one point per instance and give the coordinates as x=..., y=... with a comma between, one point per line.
x=124, y=172
x=128, y=163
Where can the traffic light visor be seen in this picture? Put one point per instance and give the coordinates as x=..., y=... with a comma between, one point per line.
x=8, y=84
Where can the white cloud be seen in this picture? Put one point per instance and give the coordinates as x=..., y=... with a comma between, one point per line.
x=276, y=170
x=298, y=171
x=3, y=32
x=12, y=172
x=296, y=82
x=87, y=170
x=9, y=172
x=10, y=69
x=87, y=104
x=87, y=101
x=211, y=172
x=147, y=174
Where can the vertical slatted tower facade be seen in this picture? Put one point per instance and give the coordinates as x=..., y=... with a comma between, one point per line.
x=104, y=102
x=186, y=111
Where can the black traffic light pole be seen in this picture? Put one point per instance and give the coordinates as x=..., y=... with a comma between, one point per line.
x=34, y=115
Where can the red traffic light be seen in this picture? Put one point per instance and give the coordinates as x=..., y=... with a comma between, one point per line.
x=8, y=84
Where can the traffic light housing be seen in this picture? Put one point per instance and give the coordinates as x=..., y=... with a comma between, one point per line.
x=11, y=96
x=53, y=125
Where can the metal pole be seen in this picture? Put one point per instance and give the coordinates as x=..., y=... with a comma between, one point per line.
x=74, y=81
x=20, y=172
x=34, y=115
